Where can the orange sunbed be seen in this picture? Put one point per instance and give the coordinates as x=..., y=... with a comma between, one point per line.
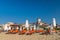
x=38, y=31
x=29, y=32
x=13, y=31
x=22, y=32
x=52, y=31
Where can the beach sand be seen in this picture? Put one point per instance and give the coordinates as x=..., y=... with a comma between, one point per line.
x=35, y=36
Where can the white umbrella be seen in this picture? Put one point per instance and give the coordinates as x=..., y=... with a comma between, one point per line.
x=51, y=28
x=34, y=27
x=20, y=28
x=9, y=28
x=54, y=22
x=27, y=25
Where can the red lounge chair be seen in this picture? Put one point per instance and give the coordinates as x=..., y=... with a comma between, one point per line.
x=15, y=31
x=32, y=31
x=12, y=31
x=54, y=31
x=29, y=32
x=38, y=31
x=22, y=32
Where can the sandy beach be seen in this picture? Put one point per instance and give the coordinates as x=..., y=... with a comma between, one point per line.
x=36, y=36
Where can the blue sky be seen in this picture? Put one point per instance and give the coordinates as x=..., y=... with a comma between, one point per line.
x=19, y=10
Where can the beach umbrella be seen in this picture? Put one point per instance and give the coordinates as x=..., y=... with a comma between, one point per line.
x=54, y=22
x=20, y=28
x=9, y=28
x=27, y=24
x=51, y=28
x=34, y=27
